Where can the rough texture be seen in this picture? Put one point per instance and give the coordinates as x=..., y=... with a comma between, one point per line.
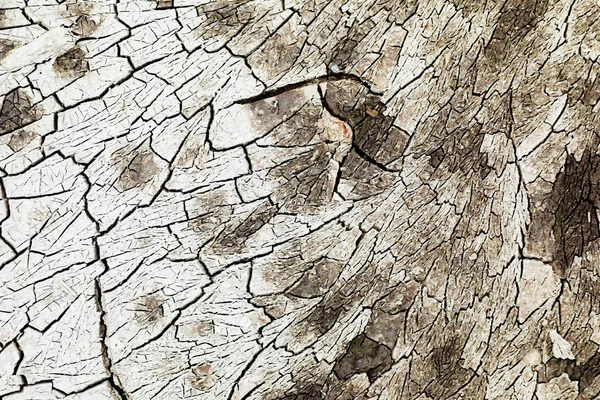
x=299, y=199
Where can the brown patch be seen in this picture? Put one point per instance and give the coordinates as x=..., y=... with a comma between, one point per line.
x=71, y=64
x=367, y=179
x=223, y=19
x=234, y=237
x=574, y=194
x=202, y=378
x=79, y=8
x=468, y=7
x=385, y=328
x=324, y=318
x=312, y=391
x=139, y=171
x=84, y=26
x=310, y=181
x=20, y=139
x=317, y=281
x=436, y=157
x=517, y=19
x=202, y=369
x=446, y=361
x=150, y=309
x=5, y=47
x=446, y=357
x=586, y=372
x=274, y=109
x=400, y=298
x=164, y=4
x=204, y=328
x=570, y=209
x=18, y=111
x=364, y=356
x=375, y=137
x=345, y=52
x=298, y=130
x=279, y=54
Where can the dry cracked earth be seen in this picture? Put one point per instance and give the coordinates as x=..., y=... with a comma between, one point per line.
x=299, y=199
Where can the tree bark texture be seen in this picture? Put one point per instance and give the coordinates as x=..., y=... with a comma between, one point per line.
x=299, y=199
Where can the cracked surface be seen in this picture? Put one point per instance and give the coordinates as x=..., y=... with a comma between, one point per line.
x=299, y=199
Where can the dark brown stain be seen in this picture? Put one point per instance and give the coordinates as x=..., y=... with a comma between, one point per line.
x=150, y=309
x=84, y=26
x=446, y=356
x=204, y=328
x=234, y=237
x=140, y=170
x=71, y=64
x=310, y=391
x=517, y=19
x=164, y=4
x=18, y=111
x=570, y=209
x=224, y=18
x=586, y=373
x=575, y=222
x=344, y=53
x=264, y=112
x=317, y=280
x=364, y=356
x=202, y=377
x=369, y=180
x=583, y=372
x=468, y=7
x=446, y=360
x=5, y=47
x=375, y=137
x=20, y=139
x=462, y=152
x=324, y=318
x=309, y=181
x=436, y=157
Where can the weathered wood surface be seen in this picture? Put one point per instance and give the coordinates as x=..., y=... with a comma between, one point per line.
x=299, y=199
